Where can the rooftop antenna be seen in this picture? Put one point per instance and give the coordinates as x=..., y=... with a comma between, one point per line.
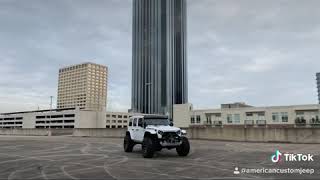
x=51, y=97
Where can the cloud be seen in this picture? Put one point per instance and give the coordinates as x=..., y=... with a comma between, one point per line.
x=223, y=91
x=263, y=53
x=265, y=61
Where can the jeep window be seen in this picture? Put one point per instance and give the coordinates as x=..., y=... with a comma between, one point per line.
x=157, y=122
x=140, y=122
x=130, y=122
x=135, y=122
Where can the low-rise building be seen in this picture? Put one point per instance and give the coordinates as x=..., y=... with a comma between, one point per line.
x=64, y=118
x=117, y=119
x=245, y=115
x=184, y=115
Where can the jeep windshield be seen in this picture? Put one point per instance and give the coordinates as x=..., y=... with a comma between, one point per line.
x=157, y=122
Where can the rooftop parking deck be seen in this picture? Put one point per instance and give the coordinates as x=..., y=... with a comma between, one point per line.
x=61, y=157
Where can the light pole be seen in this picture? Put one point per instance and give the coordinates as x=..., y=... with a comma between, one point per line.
x=51, y=97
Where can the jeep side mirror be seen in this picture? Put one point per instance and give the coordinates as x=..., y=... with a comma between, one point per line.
x=171, y=123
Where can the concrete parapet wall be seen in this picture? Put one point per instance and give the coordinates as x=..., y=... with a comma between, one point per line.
x=288, y=135
x=111, y=133
x=280, y=135
x=25, y=132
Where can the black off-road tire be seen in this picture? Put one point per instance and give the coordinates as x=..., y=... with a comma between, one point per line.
x=128, y=143
x=148, y=147
x=184, y=148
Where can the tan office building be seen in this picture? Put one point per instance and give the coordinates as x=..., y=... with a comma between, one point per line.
x=84, y=86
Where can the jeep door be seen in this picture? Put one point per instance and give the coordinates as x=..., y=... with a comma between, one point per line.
x=140, y=130
x=134, y=129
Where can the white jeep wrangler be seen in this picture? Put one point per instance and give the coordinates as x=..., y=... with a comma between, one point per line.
x=155, y=132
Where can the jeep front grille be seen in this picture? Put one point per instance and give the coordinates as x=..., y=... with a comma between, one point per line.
x=170, y=135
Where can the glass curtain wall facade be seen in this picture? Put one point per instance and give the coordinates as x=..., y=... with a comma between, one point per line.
x=159, y=62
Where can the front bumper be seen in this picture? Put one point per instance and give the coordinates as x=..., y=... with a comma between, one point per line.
x=170, y=139
x=168, y=144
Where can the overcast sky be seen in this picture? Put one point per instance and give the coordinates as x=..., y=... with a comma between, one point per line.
x=259, y=52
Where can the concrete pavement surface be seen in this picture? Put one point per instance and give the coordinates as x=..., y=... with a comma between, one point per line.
x=62, y=157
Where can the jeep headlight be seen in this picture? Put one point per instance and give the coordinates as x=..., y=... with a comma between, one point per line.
x=179, y=132
x=160, y=132
x=184, y=132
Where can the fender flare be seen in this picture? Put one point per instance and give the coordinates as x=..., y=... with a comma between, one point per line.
x=149, y=134
x=128, y=133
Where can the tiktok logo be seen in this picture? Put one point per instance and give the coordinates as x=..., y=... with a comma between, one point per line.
x=276, y=157
x=290, y=157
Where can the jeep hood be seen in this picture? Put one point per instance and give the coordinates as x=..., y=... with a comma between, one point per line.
x=163, y=128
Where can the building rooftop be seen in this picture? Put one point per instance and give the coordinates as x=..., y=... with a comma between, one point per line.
x=65, y=67
x=260, y=108
x=40, y=111
x=235, y=105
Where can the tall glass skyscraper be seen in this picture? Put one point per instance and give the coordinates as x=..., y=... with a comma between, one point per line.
x=159, y=58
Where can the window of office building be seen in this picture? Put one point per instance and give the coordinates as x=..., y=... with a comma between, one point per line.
x=198, y=119
x=192, y=120
x=300, y=113
x=275, y=117
x=236, y=118
x=249, y=114
x=284, y=117
x=209, y=121
x=229, y=118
